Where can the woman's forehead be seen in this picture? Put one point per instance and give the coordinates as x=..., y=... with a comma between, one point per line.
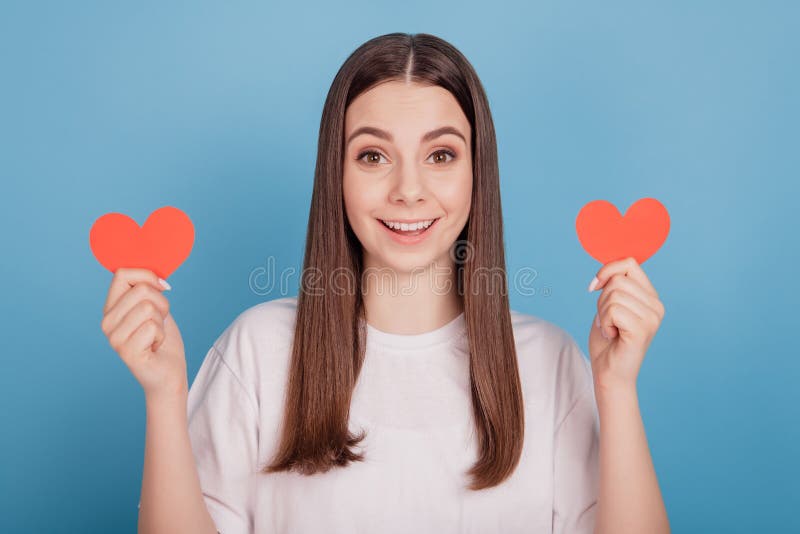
x=405, y=107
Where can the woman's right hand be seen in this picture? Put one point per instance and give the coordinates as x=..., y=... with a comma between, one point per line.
x=139, y=327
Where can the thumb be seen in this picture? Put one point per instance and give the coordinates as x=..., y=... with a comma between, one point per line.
x=597, y=342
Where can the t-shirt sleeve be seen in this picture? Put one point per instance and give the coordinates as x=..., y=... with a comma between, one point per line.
x=576, y=453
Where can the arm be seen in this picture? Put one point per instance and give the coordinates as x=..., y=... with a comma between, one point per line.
x=629, y=313
x=172, y=501
x=630, y=499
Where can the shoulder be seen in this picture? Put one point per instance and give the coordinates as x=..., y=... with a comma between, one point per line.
x=256, y=343
x=549, y=357
x=533, y=330
x=543, y=341
x=266, y=325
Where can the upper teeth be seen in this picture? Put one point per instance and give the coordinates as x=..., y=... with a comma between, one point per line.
x=408, y=226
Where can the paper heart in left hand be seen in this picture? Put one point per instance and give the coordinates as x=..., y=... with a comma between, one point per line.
x=161, y=244
x=608, y=236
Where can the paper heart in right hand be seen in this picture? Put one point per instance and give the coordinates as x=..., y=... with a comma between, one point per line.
x=162, y=243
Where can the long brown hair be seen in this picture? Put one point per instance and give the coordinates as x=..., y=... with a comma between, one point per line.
x=330, y=332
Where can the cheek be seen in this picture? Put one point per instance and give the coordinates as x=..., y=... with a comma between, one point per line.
x=359, y=200
x=351, y=201
x=456, y=196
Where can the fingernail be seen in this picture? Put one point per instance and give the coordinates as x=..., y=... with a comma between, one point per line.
x=593, y=284
x=602, y=333
x=164, y=284
x=596, y=321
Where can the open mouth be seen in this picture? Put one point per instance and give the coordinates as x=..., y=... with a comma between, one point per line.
x=411, y=230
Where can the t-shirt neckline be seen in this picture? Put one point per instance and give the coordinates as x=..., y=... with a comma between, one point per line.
x=450, y=330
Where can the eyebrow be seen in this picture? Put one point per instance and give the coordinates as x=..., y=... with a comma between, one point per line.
x=377, y=132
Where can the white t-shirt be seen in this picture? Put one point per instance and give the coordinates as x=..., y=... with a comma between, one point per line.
x=413, y=399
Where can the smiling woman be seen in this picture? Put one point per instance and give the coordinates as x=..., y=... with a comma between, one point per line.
x=429, y=406
x=405, y=100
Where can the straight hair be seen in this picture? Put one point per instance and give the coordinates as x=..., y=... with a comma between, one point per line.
x=330, y=329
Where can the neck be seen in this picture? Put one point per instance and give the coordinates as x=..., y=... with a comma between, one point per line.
x=410, y=302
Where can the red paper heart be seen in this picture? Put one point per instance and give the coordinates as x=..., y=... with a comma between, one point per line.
x=161, y=244
x=608, y=236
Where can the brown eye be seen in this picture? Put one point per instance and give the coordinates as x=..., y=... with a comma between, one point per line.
x=374, y=158
x=443, y=156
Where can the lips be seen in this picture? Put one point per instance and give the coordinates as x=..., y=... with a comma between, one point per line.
x=410, y=232
x=408, y=238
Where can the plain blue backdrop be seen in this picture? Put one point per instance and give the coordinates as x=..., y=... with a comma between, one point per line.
x=215, y=108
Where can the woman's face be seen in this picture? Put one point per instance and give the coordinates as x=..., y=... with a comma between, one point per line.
x=401, y=167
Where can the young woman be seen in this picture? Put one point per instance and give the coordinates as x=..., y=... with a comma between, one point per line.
x=397, y=392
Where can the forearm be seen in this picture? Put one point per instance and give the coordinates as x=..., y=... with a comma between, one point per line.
x=171, y=500
x=630, y=500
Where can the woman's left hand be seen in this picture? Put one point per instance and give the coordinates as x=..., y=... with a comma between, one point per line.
x=628, y=314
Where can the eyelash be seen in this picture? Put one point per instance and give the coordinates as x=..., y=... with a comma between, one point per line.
x=446, y=151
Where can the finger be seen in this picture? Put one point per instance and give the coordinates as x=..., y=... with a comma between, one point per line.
x=160, y=337
x=125, y=278
x=142, y=312
x=129, y=299
x=617, y=318
x=143, y=337
x=620, y=282
x=622, y=298
x=629, y=267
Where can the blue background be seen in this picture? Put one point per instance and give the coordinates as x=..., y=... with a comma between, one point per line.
x=215, y=108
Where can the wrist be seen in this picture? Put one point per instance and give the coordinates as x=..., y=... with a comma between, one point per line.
x=172, y=396
x=608, y=389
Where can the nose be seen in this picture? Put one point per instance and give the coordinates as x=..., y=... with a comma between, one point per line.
x=408, y=187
